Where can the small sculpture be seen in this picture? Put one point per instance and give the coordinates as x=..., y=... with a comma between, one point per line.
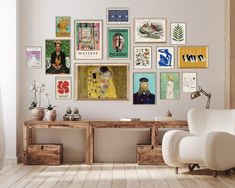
x=72, y=115
x=168, y=113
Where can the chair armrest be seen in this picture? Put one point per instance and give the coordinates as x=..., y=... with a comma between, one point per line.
x=220, y=150
x=170, y=147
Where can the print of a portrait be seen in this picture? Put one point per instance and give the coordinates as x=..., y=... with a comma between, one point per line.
x=144, y=88
x=102, y=81
x=57, y=56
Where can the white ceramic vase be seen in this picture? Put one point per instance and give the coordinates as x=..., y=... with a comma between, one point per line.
x=37, y=114
x=51, y=115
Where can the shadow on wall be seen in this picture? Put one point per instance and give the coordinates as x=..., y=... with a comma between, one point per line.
x=2, y=136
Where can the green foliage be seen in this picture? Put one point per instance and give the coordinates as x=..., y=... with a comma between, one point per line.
x=65, y=47
x=33, y=105
x=178, y=33
x=50, y=107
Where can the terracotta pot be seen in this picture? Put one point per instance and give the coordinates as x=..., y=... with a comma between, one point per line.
x=37, y=114
x=50, y=115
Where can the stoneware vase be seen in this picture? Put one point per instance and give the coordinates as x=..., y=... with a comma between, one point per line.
x=51, y=115
x=37, y=114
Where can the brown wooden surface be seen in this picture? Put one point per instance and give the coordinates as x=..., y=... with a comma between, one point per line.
x=45, y=154
x=149, y=155
x=91, y=125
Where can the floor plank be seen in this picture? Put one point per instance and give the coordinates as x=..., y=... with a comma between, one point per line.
x=118, y=176
x=108, y=175
x=131, y=176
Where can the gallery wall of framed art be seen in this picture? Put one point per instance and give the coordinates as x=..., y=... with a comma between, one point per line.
x=147, y=42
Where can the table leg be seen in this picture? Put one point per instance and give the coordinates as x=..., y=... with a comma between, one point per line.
x=88, y=135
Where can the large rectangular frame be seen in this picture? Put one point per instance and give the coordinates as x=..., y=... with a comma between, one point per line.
x=101, y=81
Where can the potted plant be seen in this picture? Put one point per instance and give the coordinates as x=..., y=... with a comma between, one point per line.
x=50, y=112
x=37, y=112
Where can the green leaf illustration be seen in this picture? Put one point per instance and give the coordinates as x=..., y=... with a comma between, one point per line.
x=178, y=33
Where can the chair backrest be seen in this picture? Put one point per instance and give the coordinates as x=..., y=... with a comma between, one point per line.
x=204, y=121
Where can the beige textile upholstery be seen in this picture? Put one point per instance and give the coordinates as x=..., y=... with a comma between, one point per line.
x=210, y=140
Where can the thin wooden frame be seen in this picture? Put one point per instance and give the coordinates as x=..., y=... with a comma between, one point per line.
x=193, y=56
x=91, y=81
x=117, y=22
x=33, y=48
x=146, y=32
x=188, y=82
x=143, y=99
x=63, y=88
x=126, y=49
x=166, y=94
x=165, y=57
x=63, y=35
x=89, y=54
x=185, y=34
x=134, y=57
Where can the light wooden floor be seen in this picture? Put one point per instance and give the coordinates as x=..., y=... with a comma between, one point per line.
x=110, y=176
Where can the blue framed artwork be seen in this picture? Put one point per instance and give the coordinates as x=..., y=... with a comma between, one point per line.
x=118, y=16
x=144, y=88
x=165, y=57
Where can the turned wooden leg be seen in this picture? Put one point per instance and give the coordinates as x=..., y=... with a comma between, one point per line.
x=215, y=173
x=176, y=170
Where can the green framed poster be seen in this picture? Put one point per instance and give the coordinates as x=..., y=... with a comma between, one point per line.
x=118, y=43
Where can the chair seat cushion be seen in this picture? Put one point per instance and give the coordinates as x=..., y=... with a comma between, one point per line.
x=192, y=150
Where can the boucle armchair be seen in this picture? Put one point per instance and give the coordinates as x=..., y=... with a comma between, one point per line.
x=210, y=141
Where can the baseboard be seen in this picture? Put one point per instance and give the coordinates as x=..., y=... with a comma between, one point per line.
x=10, y=160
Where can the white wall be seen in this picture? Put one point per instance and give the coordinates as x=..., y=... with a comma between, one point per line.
x=9, y=74
x=205, y=26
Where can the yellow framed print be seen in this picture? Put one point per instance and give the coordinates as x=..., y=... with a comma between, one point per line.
x=193, y=56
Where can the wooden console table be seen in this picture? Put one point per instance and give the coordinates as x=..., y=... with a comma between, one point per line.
x=30, y=125
x=152, y=125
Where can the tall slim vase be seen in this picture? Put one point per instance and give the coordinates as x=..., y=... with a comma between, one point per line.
x=2, y=135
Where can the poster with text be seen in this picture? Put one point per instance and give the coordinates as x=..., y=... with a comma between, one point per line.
x=88, y=39
x=63, y=87
x=118, y=43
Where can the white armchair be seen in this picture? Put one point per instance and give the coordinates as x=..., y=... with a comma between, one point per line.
x=210, y=141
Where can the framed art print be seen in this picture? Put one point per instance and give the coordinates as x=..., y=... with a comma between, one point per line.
x=33, y=57
x=118, y=43
x=144, y=88
x=88, y=39
x=170, y=85
x=57, y=56
x=101, y=81
x=178, y=33
x=193, y=56
x=142, y=57
x=150, y=30
x=63, y=26
x=118, y=16
x=63, y=86
x=165, y=57
x=189, y=82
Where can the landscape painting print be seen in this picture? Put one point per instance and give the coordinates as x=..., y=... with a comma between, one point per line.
x=63, y=26
x=33, y=57
x=63, y=87
x=142, y=57
x=178, y=33
x=101, y=81
x=165, y=57
x=118, y=16
x=88, y=39
x=193, y=56
x=189, y=82
x=150, y=30
x=118, y=43
x=170, y=85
